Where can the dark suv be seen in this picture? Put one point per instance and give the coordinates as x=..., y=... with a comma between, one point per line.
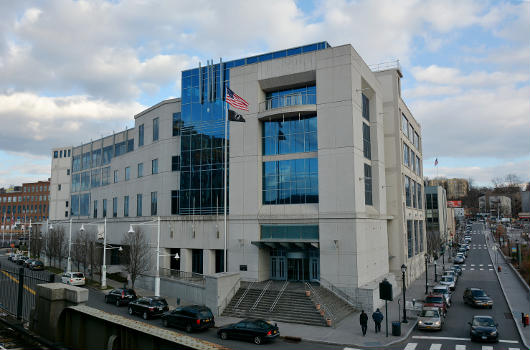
x=148, y=307
x=120, y=296
x=192, y=317
x=477, y=297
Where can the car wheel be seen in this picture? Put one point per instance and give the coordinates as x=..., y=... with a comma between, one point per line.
x=144, y=315
x=130, y=311
x=188, y=328
x=257, y=340
x=164, y=322
x=224, y=335
x=117, y=302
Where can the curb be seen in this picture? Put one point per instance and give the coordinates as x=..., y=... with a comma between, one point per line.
x=525, y=285
x=519, y=327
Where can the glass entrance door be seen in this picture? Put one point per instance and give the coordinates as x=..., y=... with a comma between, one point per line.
x=294, y=269
x=278, y=268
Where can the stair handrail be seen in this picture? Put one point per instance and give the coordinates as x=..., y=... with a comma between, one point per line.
x=231, y=293
x=267, y=285
x=243, y=296
x=318, y=299
x=278, y=296
x=339, y=292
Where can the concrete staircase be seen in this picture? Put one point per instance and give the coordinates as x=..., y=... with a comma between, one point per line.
x=293, y=306
x=340, y=308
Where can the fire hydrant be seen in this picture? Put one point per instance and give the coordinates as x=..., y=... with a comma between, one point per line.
x=499, y=268
x=525, y=319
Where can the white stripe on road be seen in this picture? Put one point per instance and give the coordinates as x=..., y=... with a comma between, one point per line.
x=481, y=269
x=513, y=348
x=509, y=341
x=490, y=265
x=435, y=347
x=487, y=347
x=490, y=269
x=351, y=349
x=472, y=264
x=471, y=269
x=462, y=339
x=460, y=347
x=411, y=346
x=481, y=265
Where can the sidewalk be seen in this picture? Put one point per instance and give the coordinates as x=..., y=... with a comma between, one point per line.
x=348, y=331
x=515, y=291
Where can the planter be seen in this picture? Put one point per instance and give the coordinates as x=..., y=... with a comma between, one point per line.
x=318, y=306
x=322, y=312
x=328, y=322
x=307, y=293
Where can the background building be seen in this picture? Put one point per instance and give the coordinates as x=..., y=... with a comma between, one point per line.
x=436, y=218
x=60, y=183
x=455, y=188
x=496, y=206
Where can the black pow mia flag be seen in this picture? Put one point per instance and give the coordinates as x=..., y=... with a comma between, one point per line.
x=235, y=117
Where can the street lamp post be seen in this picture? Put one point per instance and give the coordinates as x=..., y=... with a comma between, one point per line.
x=69, y=264
x=435, y=272
x=403, y=270
x=426, y=274
x=104, y=266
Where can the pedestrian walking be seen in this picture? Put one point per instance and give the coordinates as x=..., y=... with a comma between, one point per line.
x=377, y=316
x=363, y=319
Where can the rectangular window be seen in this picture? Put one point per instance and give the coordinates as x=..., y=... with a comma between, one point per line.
x=138, y=204
x=85, y=161
x=368, y=185
x=418, y=167
x=119, y=149
x=104, y=208
x=96, y=158
x=95, y=209
x=416, y=237
x=85, y=181
x=55, y=154
x=76, y=182
x=175, y=163
x=130, y=145
x=126, y=206
x=421, y=236
x=127, y=173
x=155, y=129
x=366, y=141
x=68, y=172
x=140, y=169
x=154, y=166
x=174, y=202
x=292, y=135
x=85, y=204
x=74, y=207
x=407, y=191
x=410, y=243
x=115, y=176
x=177, y=122
x=197, y=261
x=413, y=161
x=406, y=154
x=366, y=107
x=140, y=135
x=95, y=177
x=413, y=188
x=154, y=204
x=115, y=207
x=291, y=96
x=105, y=176
x=107, y=155
x=404, y=125
x=420, y=201
x=417, y=140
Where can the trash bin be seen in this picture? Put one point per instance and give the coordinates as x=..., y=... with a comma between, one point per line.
x=396, y=329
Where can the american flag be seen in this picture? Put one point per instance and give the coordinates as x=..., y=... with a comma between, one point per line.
x=235, y=101
x=436, y=162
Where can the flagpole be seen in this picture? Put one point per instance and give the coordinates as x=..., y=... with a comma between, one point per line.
x=225, y=183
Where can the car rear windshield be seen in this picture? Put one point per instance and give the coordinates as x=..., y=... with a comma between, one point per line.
x=429, y=313
x=478, y=293
x=160, y=302
x=447, y=279
x=434, y=300
x=483, y=322
x=440, y=291
x=78, y=275
x=205, y=314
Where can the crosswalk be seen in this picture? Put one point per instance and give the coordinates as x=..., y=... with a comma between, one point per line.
x=438, y=346
x=477, y=267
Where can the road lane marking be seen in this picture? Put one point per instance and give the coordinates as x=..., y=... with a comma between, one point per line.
x=461, y=339
x=471, y=269
x=351, y=349
x=411, y=346
x=490, y=269
x=509, y=341
x=460, y=347
x=481, y=269
x=487, y=347
x=490, y=265
x=11, y=277
x=481, y=265
x=513, y=349
x=435, y=347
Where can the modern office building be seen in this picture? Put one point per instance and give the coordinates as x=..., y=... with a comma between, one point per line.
x=436, y=218
x=310, y=173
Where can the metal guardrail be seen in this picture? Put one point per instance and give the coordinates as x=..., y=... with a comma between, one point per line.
x=385, y=66
x=286, y=283
x=191, y=277
x=288, y=100
x=228, y=297
x=244, y=295
x=339, y=292
x=264, y=290
x=328, y=312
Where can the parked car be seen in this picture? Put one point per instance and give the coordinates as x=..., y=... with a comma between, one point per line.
x=430, y=318
x=148, y=307
x=450, y=272
x=436, y=300
x=255, y=330
x=483, y=328
x=457, y=269
x=477, y=297
x=459, y=259
x=28, y=262
x=73, y=278
x=448, y=281
x=190, y=318
x=120, y=296
x=443, y=290
x=21, y=259
x=13, y=257
x=37, y=265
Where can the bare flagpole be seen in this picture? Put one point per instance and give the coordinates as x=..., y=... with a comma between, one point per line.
x=225, y=182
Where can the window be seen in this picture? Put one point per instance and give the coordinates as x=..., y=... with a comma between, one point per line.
x=115, y=207
x=368, y=185
x=138, y=204
x=410, y=247
x=96, y=158
x=366, y=141
x=417, y=140
x=85, y=204
x=406, y=154
x=74, y=208
x=154, y=166
x=76, y=163
x=58, y=187
x=154, y=205
x=366, y=107
x=177, y=122
x=126, y=206
x=155, y=129
x=60, y=153
x=104, y=208
x=119, y=149
x=107, y=155
x=130, y=145
x=85, y=161
x=66, y=204
x=174, y=202
x=418, y=190
x=413, y=188
x=404, y=125
x=115, y=176
x=55, y=154
x=140, y=169
x=292, y=181
x=407, y=191
x=293, y=135
x=96, y=178
x=105, y=176
x=76, y=183
x=95, y=209
x=291, y=97
x=85, y=181
x=416, y=238
x=175, y=163
x=127, y=173
x=140, y=135
x=413, y=161
x=67, y=171
x=68, y=153
x=418, y=167
x=421, y=236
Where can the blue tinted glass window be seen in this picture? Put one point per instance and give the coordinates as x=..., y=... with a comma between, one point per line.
x=141, y=135
x=74, y=205
x=107, y=155
x=290, y=97
x=95, y=178
x=290, y=136
x=367, y=151
x=130, y=145
x=84, y=204
x=289, y=232
x=155, y=129
x=119, y=149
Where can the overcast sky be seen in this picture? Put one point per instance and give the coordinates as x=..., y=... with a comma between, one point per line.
x=71, y=71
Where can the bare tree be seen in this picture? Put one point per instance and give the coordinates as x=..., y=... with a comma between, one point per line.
x=78, y=250
x=36, y=243
x=93, y=252
x=137, y=254
x=434, y=242
x=59, y=244
x=48, y=246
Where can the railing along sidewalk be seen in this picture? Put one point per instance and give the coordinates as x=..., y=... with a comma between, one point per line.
x=191, y=277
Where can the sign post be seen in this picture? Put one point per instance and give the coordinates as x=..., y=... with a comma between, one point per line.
x=385, y=293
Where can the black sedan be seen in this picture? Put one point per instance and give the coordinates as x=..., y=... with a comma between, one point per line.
x=120, y=296
x=254, y=330
x=148, y=307
x=484, y=328
x=37, y=265
x=477, y=297
x=192, y=317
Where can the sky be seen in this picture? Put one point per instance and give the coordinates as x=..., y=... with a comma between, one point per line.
x=72, y=71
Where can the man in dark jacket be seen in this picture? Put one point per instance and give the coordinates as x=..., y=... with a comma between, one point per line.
x=363, y=319
x=377, y=316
